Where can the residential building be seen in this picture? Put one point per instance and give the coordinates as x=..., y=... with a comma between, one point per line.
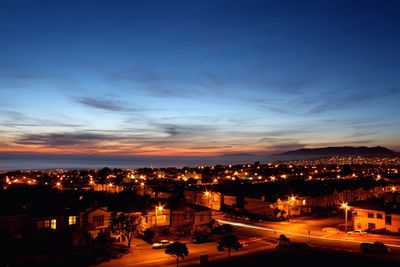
x=376, y=216
x=95, y=220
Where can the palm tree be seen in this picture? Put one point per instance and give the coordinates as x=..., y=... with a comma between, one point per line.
x=177, y=250
x=229, y=241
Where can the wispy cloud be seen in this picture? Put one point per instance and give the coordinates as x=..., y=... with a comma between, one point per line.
x=107, y=105
x=63, y=139
x=14, y=119
x=333, y=100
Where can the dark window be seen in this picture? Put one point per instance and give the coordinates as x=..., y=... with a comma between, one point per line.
x=98, y=220
x=388, y=219
x=370, y=215
x=379, y=215
x=371, y=226
x=359, y=225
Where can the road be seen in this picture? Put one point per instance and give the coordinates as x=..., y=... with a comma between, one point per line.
x=143, y=255
x=310, y=231
x=256, y=237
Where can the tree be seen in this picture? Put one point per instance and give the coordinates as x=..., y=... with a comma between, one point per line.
x=148, y=235
x=229, y=241
x=224, y=229
x=128, y=226
x=177, y=250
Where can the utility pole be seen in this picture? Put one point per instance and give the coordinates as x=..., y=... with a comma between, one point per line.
x=345, y=206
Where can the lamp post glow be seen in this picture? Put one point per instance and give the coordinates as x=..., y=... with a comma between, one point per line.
x=207, y=194
x=157, y=209
x=345, y=206
x=291, y=199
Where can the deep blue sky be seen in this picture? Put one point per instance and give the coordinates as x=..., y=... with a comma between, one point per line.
x=198, y=77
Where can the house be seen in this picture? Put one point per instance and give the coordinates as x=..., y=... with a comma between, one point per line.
x=12, y=224
x=209, y=199
x=229, y=200
x=202, y=218
x=203, y=198
x=188, y=218
x=216, y=200
x=258, y=206
x=95, y=220
x=376, y=216
x=108, y=188
x=163, y=218
x=190, y=196
x=182, y=219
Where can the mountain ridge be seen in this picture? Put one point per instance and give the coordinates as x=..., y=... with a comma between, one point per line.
x=340, y=151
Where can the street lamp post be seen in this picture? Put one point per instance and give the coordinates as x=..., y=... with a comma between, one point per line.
x=156, y=208
x=345, y=206
x=291, y=200
x=208, y=196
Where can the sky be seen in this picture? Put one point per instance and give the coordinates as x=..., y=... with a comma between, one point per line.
x=198, y=77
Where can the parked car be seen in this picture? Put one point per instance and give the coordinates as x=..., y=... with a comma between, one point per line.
x=282, y=240
x=201, y=239
x=377, y=247
x=330, y=230
x=357, y=232
x=161, y=244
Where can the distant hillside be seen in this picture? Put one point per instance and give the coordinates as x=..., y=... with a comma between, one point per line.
x=237, y=155
x=338, y=151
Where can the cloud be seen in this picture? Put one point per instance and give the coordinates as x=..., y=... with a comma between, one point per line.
x=158, y=135
x=209, y=147
x=333, y=101
x=14, y=119
x=107, y=105
x=63, y=139
x=175, y=130
x=359, y=134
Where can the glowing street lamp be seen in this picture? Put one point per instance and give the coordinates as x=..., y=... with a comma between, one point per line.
x=292, y=199
x=345, y=206
x=207, y=194
x=157, y=209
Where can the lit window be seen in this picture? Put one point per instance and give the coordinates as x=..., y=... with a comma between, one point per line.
x=47, y=223
x=53, y=224
x=71, y=220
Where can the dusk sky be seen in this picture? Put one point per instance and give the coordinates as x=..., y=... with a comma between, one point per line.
x=198, y=77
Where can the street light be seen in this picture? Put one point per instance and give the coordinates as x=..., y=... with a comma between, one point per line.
x=157, y=209
x=291, y=199
x=207, y=194
x=345, y=206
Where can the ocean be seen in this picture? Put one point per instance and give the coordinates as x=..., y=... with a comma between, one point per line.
x=24, y=161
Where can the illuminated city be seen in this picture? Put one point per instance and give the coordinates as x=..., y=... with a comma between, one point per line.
x=199, y=133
